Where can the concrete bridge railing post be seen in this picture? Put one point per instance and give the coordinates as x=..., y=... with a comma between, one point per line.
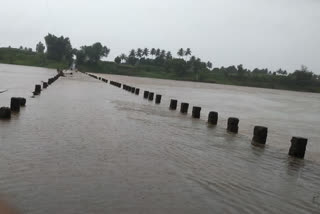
x=184, y=108
x=260, y=134
x=5, y=113
x=146, y=94
x=213, y=118
x=196, y=112
x=15, y=104
x=173, y=104
x=233, y=125
x=151, y=95
x=298, y=147
x=158, y=98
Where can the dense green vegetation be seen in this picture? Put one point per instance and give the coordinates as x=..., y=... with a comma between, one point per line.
x=156, y=63
x=28, y=57
x=291, y=82
x=58, y=48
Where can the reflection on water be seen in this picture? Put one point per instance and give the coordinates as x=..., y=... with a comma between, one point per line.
x=87, y=147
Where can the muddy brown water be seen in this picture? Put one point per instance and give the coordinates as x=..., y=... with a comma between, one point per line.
x=84, y=146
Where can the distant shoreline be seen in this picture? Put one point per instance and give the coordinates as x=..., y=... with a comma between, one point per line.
x=302, y=81
x=13, y=56
x=142, y=71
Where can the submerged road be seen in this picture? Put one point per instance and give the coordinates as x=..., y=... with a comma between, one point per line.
x=84, y=146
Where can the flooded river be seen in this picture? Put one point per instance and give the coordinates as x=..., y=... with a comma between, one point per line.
x=84, y=146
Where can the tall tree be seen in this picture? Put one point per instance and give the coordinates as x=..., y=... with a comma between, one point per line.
x=40, y=48
x=153, y=52
x=139, y=52
x=123, y=57
x=105, y=51
x=95, y=52
x=188, y=52
x=132, y=60
x=117, y=60
x=192, y=59
x=158, y=52
x=303, y=74
x=58, y=48
x=240, y=70
x=146, y=52
x=132, y=53
x=209, y=64
x=163, y=54
x=168, y=55
x=80, y=56
x=197, y=65
x=181, y=52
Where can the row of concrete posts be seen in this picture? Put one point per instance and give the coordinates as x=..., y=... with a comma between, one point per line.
x=260, y=133
x=17, y=102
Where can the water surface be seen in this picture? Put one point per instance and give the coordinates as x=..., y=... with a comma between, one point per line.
x=84, y=146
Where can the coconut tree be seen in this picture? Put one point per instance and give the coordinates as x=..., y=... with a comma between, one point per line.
x=188, y=52
x=158, y=52
x=168, y=55
x=139, y=52
x=163, y=53
x=145, y=52
x=132, y=60
x=180, y=52
x=153, y=52
x=132, y=53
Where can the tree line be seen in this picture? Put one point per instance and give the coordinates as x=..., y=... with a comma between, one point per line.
x=60, y=49
x=157, y=55
x=188, y=63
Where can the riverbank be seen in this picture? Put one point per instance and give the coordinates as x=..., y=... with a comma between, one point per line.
x=24, y=57
x=298, y=82
x=159, y=72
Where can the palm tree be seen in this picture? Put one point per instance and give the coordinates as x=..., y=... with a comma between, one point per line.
x=132, y=53
x=153, y=52
x=145, y=52
x=163, y=54
x=188, y=52
x=123, y=57
x=168, y=55
x=180, y=52
x=139, y=52
x=158, y=52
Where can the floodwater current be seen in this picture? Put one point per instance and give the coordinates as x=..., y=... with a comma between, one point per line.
x=84, y=146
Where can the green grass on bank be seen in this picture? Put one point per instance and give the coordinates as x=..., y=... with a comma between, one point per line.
x=260, y=81
x=23, y=57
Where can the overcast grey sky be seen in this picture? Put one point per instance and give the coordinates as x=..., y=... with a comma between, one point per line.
x=256, y=33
